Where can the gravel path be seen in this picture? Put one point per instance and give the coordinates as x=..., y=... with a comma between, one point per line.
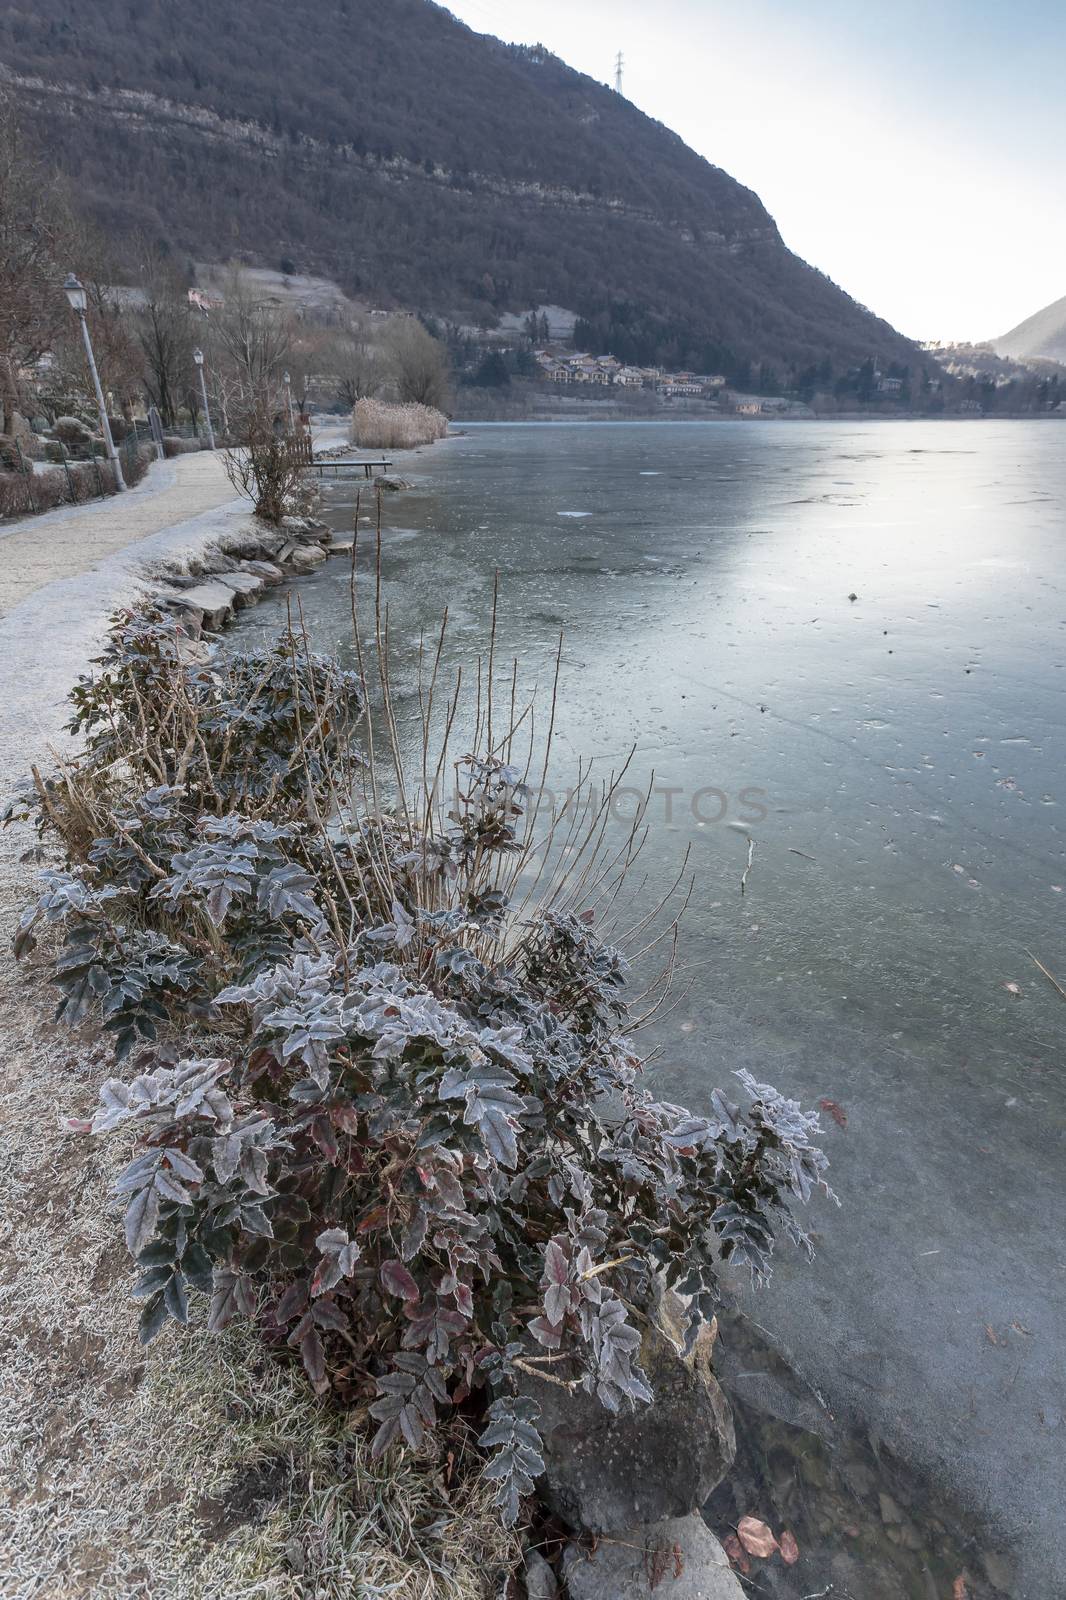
x=116, y=1464
x=73, y=540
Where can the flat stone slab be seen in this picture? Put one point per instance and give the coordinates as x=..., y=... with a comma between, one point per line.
x=678, y=1559
x=246, y=586
x=266, y=570
x=211, y=599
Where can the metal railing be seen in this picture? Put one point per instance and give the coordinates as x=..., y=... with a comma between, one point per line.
x=27, y=492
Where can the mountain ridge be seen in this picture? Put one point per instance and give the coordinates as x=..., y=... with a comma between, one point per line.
x=420, y=164
x=1039, y=337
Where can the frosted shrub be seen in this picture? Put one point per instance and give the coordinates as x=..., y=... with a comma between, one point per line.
x=420, y=1151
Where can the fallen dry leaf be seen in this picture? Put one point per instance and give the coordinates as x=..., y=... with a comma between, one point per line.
x=959, y=1589
x=756, y=1537
x=992, y=1336
x=735, y=1551
x=790, y=1550
x=838, y=1114
x=1013, y=989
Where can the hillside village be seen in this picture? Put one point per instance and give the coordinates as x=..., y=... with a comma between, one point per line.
x=577, y=366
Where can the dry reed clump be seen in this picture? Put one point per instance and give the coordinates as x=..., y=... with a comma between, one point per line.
x=377, y=425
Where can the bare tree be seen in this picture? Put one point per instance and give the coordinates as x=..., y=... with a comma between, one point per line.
x=34, y=223
x=419, y=364
x=113, y=327
x=262, y=463
x=165, y=332
x=358, y=362
x=252, y=338
x=310, y=355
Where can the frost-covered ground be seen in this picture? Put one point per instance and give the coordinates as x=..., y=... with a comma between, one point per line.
x=193, y=1470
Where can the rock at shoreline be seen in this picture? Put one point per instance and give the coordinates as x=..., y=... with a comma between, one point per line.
x=676, y=1559
x=540, y=1579
x=305, y=528
x=246, y=586
x=303, y=557
x=610, y=1472
x=266, y=570
x=211, y=601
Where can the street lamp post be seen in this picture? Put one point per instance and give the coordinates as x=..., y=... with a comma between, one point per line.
x=76, y=295
x=286, y=378
x=198, y=357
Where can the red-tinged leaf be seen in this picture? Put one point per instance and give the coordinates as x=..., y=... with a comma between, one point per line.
x=838, y=1114
x=346, y=1118
x=79, y=1125
x=756, y=1537
x=261, y=1061
x=314, y=1359
x=556, y=1265
x=293, y=1302
x=587, y=917
x=790, y=1550
x=398, y=1281
x=325, y=1138
x=373, y=1219
x=960, y=1589
x=328, y=1314
x=735, y=1551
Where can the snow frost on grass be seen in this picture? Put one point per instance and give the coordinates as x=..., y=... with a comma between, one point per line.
x=202, y=1468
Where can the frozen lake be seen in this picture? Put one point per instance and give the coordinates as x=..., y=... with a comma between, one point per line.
x=848, y=641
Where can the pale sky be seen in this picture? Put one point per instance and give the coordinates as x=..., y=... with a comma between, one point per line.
x=914, y=150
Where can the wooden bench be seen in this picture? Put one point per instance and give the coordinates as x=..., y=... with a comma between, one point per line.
x=347, y=469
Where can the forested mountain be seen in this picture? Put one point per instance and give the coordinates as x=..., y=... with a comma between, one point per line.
x=383, y=143
x=1041, y=336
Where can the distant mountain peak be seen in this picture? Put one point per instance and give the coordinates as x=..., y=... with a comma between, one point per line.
x=1041, y=336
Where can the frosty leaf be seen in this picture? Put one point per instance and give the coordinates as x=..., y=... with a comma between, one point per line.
x=339, y=1256
x=288, y=889
x=557, y=1281
x=232, y=1295
x=171, y=1189
x=184, y=1165
x=414, y=1234
x=328, y=1314
x=517, y=1459
x=398, y=1281
x=176, y=1300
x=142, y=1215
x=491, y=1107
x=152, y=1318
x=693, y=1132
x=546, y=1333
x=405, y=928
